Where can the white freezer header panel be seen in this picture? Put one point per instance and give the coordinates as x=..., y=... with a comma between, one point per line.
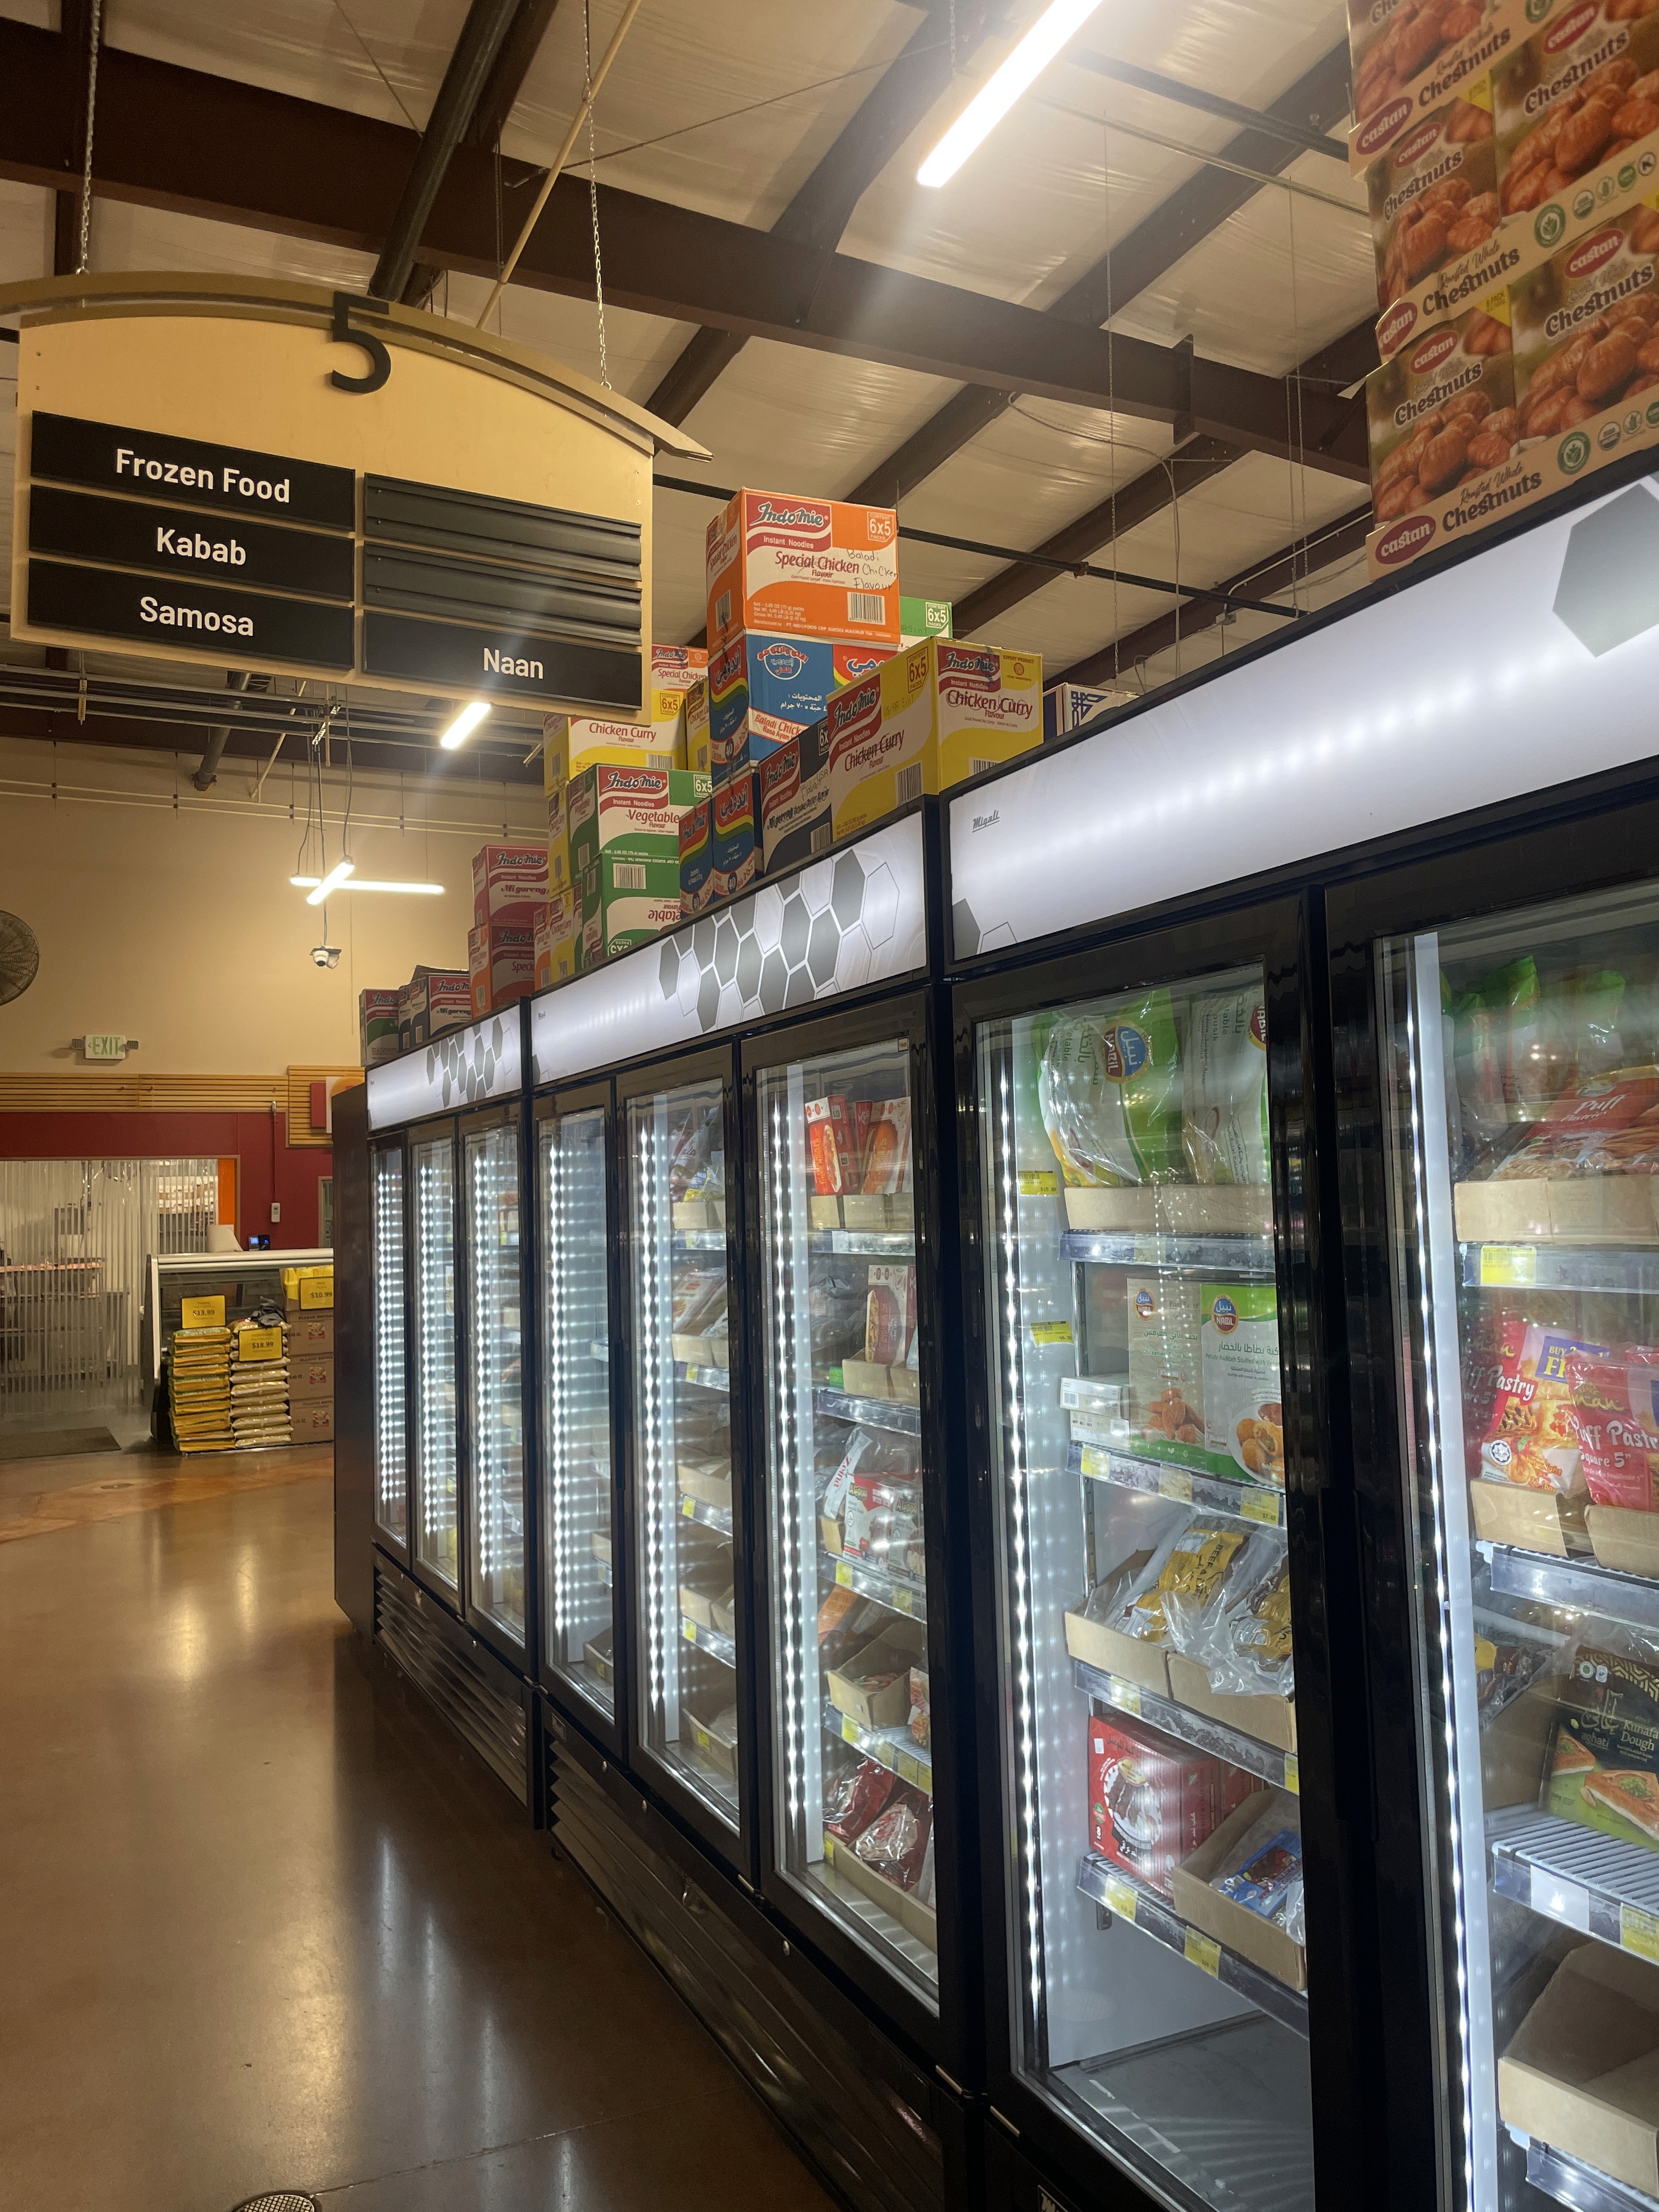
x=854, y=918
x=1533, y=662
x=465, y=1068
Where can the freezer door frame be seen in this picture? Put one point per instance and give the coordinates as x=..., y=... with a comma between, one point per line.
x=1606, y=842
x=739, y=1853
x=1280, y=933
x=519, y=1656
x=394, y=1140
x=611, y=1732
x=952, y=2036
x=453, y=1597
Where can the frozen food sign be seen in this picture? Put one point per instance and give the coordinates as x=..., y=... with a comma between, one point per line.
x=466, y=1067
x=1384, y=720
x=854, y=918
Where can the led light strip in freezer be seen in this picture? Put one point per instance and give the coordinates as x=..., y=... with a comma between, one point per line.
x=652, y=1417
x=391, y=1439
x=553, y=1228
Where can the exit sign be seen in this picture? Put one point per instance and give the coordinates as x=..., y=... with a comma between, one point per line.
x=103, y=1047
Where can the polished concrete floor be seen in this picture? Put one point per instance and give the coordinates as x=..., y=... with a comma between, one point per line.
x=266, y=1926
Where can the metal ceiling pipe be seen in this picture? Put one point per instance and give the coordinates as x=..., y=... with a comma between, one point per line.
x=487, y=24
x=208, y=774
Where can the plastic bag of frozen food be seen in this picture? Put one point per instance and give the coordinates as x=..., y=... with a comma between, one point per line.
x=1190, y=1574
x=1615, y=1405
x=853, y=1798
x=1241, y=1635
x=1497, y=1031
x=1223, y=1087
x=1109, y=1088
x=895, y=1845
x=1532, y=1438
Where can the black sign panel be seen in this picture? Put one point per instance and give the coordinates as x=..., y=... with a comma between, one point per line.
x=541, y=671
x=500, y=529
x=235, y=479
x=254, y=555
x=233, y=626
x=435, y=584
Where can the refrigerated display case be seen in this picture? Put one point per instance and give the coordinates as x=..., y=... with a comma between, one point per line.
x=436, y=1548
x=494, y=1409
x=686, y=1439
x=1135, y=1275
x=389, y=1249
x=859, y=1842
x=580, y=1520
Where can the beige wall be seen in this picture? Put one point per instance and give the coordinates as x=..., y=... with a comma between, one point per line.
x=176, y=922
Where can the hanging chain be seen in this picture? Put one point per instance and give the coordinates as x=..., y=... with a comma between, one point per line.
x=92, y=112
x=953, y=40
x=594, y=190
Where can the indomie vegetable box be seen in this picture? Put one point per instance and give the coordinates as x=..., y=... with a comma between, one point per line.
x=803, y=568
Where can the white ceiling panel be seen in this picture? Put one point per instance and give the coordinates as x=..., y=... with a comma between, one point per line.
x=638, y=348
x=126, y=236
x=26, y=217
x=1038, y=466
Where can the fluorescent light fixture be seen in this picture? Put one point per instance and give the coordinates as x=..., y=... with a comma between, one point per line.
x=335, y=876
x=1058, y=23
x=368, y=884
x=464, y=723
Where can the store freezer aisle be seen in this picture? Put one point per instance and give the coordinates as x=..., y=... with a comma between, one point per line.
x=267, y=1926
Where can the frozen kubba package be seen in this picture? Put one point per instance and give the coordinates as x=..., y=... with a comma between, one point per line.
x=927, y=719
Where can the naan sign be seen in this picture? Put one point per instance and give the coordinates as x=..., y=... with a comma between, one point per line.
x=197, y=478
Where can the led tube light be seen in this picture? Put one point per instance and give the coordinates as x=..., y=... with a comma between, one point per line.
x=335, y=876
x=464, y=723
x=1057, y=23
x=365, y=883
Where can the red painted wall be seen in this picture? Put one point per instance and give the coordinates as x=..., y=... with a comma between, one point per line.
x=268, y=1167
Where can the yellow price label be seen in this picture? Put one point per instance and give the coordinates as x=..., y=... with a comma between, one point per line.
x=911, y=1769
x=1121, y=1896
x=1039, y=1183
x=202, y=1313
x=1097, y=1464
x=1176, y=1482
x=1638, y=1931
x=1509, y=1265
x=1262, y=1505
x=688, y=1507
x=1051, y=1331
x=850, y=1729
x=843, y=1574
x=1126, y=1696
x=688, y=1630
x=1203, y=1951
x=1293, y=1774
x=260, y=1344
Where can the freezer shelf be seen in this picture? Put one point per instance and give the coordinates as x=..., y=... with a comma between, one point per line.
x=1571, y=2182
x=1156, y=1477
x=710, y=1640
x=1243, y=1256
x=1280, y=1767
x=1595, y=1883
x=870, y=1412
x=711, y=1517
x=896, y=1590
x=1629, y=1269
x=1574, y=1585
x=895, y=1749
x=703, y=1379
x=1154, y=1915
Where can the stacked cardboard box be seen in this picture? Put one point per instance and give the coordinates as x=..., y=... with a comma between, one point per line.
x=1513, y=178
x=929, y=718
x=308, y=1300
x=433, y=1001
x=377, y=1026
x=199, y=1378
x=259, y=1386
x=625, y=853
x=509, y=885
x=1067, y=707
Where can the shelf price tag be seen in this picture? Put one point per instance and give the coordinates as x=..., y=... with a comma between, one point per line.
x=1509, y=1265
x=1263, y=1506
x=1176, y=1482
x=1565, y=1901
x=899, y=1598
x=843, y=1574
x=688, y=1629
x=1293, y=1774
x=1121, y=1896
x=1203, y=1951
x=1051, y=1331
x=1638, y=1931
x=850, y=1729
x=1038, y=1183
x=1126, y=1696
x=688, y=1506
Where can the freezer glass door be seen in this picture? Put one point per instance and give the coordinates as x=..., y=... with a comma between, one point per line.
x=391, y=1361
x=1157, y=1961
x=434, y=1358
x=686, y=1660
x=495, y=1391
x=851, y=1760
x=576, y=1443
x=1519, y=1057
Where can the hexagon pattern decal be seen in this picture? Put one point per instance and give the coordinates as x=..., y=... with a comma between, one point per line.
x=464, y=1065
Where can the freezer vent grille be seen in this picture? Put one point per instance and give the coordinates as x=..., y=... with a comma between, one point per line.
x=477, y=1696
x=278, y=2200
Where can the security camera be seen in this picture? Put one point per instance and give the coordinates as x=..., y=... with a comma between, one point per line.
x=327, y=955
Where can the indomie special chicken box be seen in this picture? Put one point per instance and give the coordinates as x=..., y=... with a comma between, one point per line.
x=926, y=719
x=803, y=568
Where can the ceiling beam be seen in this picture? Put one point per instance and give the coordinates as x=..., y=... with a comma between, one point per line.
x=1308, y=138
x=1316, y=100
x=824, y=206
x=1291, y=565
x=176, y=138
x=464, y=80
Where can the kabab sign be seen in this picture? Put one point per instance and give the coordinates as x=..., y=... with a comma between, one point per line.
x=198, y=478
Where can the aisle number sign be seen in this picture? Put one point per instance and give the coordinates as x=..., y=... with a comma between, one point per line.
x=197, y=481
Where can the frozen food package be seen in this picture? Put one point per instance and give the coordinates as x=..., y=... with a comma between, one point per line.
x=831, y=1139
x=1497, y=1032
x=1604, y=1767
x=1263, y=1883
x=1190, y=1573
x=1109, y=1086
x=887, y=1150
x=921, y=1710
x=1242, y=1638
x=1224, y=1088
x=1532, y=1436
x=883, y=1518
x=1580, y=1023
x=890, y=1314
x=1151, y=1799
x=853, y=1798
x=1243, y=1415
x=1166, y=1365
x=862, y=1445
x=1615, y=1405
x=1505, y=1666
x=895, y=1845
x=1593, y=1128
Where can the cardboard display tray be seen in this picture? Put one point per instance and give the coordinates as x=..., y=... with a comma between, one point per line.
x=1130, y=1658
x=915, y=1919
x=895, y=1651
x=1174, y=1209
x=703, y=1351
x=1269, y=1720
x=1581, y=2070
x=1228, y=1922
x=720, y=1748
x=1625, y=1540
x=699, y=1213
x=1533, y=1520
x=1573, y=1210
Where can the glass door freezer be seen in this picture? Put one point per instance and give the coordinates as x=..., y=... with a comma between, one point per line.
x=495, y=1595
x=581, y=1658
x=1501, y=1053
x=433, y=1232
x=685, y=1441
x=861, y=1827
x=389, y=1249
x=1165, y=1891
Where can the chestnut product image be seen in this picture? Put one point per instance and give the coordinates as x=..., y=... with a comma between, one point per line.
x=1412, y=35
